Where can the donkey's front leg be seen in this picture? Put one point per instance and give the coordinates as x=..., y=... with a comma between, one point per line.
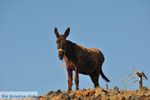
x=69, y=71
x=77, y=78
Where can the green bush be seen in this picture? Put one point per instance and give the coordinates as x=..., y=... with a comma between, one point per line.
x=116, y=88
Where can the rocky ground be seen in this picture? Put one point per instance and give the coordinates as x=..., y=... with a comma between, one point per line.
x=97, y=94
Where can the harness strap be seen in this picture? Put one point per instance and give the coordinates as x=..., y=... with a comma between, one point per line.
x=61, y=50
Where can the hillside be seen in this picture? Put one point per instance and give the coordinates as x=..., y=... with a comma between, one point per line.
x=97, y=94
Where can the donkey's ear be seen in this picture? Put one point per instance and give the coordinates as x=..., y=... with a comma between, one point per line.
x=67, y=32
x=56, y=32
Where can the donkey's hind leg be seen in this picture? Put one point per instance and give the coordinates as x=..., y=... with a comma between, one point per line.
x=95, y=78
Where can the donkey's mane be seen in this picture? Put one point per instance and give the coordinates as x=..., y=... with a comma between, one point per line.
x=75, y=51
x=72, y=50
x=70, y=43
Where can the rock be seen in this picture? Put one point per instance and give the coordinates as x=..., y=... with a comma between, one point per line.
x=42, y=98
x=114, y=97
x=51, y=92
x=93, y=97
x=92, y=93
x=115, y=92
x=99, y=97
x=53, y=95
x=88, y=93
x=58, y=91
x=72, y=95
x=133, y=97
x=98, y=92
x=78, y=98
x=65, y=96
x=123, y=98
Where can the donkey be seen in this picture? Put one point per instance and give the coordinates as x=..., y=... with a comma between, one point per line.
x=87, y=61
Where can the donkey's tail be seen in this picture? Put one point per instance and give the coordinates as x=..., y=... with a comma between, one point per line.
x=104, y=77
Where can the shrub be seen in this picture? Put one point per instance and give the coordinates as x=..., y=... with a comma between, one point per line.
x=116, y=88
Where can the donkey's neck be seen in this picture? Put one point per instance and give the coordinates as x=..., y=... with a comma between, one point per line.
x=71, y=51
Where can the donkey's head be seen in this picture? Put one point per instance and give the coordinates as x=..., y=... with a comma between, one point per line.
x=61, y=42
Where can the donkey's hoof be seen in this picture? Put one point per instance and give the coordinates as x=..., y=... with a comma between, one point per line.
x=69, y=90
x=97, y=87
x=77, y=88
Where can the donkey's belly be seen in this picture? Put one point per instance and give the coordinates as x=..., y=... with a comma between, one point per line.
x=87, y=70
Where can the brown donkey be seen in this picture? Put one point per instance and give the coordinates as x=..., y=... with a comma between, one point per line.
x=82, y=60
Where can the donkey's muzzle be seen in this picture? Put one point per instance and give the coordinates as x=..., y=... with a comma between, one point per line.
x=61, y=53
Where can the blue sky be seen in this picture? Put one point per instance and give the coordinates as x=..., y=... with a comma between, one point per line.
x=28, y=55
